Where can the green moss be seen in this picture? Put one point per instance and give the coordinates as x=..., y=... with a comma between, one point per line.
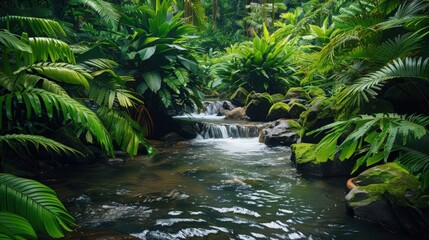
x=258, y=106
x=297, y=92
x=316, y=92
x=304, y=153
x=388, y=182
x=238, y=98
x=296, y=109
x=318, y=114
x=277, y=111
x=278, y=97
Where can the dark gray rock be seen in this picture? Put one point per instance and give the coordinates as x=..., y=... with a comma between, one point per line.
x=280, y=133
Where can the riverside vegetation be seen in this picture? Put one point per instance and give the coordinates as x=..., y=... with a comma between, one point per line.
x=347, y=81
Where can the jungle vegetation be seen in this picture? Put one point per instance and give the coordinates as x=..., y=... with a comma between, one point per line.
x=97, y=72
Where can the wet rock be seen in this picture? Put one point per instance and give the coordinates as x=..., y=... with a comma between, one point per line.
x=227, y=105
x=277, y=111
x=297, y=93
x=238, y=98
x=187, y=130
x=304, y=157
x=172, y=138
x=115, y=160
x=296, y=109
x=389, y=195
x=280, y=133
x=258, y=105
x=98, y=234
x=238, y=113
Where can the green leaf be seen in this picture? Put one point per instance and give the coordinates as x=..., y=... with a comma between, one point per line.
x=12, y=42
x=14, y=227
x=35, y=202
x=146, y=53
x=153, y=80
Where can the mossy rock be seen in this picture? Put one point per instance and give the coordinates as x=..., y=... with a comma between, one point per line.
x=297, y=92
x=388, y=194
x=278, y=97
x=258, y=106
x=318, y=114
x=238, y=98
x=303, y=152
x=316, y=92
x=277, y=111
x=304, y=157
x=296, y=109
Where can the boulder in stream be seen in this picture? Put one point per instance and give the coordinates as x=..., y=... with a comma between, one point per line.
x=282, y=132
x=389, y=195
x=277, y=111
x=238, y=98
x=258, y=105
x=237, y=113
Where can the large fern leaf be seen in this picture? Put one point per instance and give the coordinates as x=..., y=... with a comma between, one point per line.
x=125, y=131
x=106, y=10
x=15, y=227
x=366, y=87
x=61, y=72
x=50, y=49
x=12, y=42
x=35, y=202
x=39, y=26
x=37, y=141
x=38, y=102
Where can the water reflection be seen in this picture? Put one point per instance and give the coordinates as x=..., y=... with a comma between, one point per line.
x=211, y=189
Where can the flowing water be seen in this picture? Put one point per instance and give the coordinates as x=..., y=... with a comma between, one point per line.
x=225, y=188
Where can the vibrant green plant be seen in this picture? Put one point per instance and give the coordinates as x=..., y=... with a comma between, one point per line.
x=263, y=65
x=373, y=138
x=27, y=207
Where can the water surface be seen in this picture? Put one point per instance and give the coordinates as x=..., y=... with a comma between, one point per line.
x=211, y=189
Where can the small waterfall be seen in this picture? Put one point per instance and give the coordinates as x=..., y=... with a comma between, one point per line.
x=223, y=130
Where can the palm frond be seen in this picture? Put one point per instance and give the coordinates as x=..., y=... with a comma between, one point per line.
x=125, y=131
x=367, y=86
x=15, y=227
x=35, y=202
x=38, y=141
x=38, y=102
x=61, y=72
x=107, y=11
x=39, y=26
x=12, y=42
x=405, y=12
x=7, y=81
x=98, y=64
x=107, y=91
x=50, y=49
x=415, y=156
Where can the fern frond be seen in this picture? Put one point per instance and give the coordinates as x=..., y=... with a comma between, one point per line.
x=37, y=141
x=15, y=227
x=406, y=12
x=61, y=72
x=50, y=49
x=10, y=41
x=39, y=26
x=107, y=11
x=39, y=101
x=366, y=87
x=35, y=202
x=107, y=91
x=125, y=131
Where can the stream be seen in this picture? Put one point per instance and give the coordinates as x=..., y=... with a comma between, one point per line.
x=222, y=187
